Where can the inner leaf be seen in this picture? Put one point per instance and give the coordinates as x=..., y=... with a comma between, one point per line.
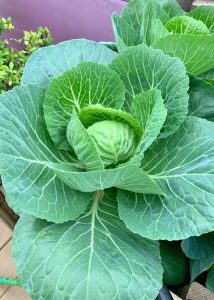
x=88, y=83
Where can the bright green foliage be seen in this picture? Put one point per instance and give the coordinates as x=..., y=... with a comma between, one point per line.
x=186, y=25
x=12, y=61
x=100, y=160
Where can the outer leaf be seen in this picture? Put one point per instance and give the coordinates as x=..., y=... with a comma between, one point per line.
x=204, y=14
x=201, y=101
x=129, y=178
x=47, y=63
x=26, y=148
x=198, y=247
x=195, y=51
x=174, y=262
x=83, y=144
x=142, y=68
x=149, y=110
x=86, y=84
x=183, y=165
x=125, y=34
x=95, y=257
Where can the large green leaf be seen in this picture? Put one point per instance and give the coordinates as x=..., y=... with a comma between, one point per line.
x=142, y=68
x=47, y=63
x=174, y=262
x=94, y=257
x=198, y=247
x=127, y=177
x=149, y=110
x=204, y=14
x=83, y=144
x=195, y=51
x=26, y=148
x=87, y=84
x=201, y=100
x=183, y=165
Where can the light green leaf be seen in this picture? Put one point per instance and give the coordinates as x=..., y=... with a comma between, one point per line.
x=198, y=247
x=204, y=14
x=88, y=83
x=83, y=144
x=210, y=280
x=143, y=68
x=149, y=110
x=50, y=62
x=195, y=51
x=127, y=177
x=201, y=100
x=125, y=34
x=26, y=149
x=94, y=257
x=174, y=262
x=186, y=25
x=183, y=165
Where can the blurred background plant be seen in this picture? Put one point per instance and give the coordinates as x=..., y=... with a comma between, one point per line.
x=12, y=61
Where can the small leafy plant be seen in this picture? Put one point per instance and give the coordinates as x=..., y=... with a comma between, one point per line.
x=12, y=61
x=103, y=156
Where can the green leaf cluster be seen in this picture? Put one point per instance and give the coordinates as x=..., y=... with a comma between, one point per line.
x=108, y=157
x=12, y=61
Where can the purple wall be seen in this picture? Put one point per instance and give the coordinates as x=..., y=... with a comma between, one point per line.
x=66, y=19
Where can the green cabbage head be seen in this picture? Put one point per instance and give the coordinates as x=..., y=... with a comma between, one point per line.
x=116, y=142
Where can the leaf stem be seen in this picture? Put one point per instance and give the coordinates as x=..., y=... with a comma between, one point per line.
x=10, y=281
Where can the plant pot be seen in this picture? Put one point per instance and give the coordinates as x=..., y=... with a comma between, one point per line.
x=66, y=19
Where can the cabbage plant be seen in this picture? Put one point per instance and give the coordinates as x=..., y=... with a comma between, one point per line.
x=101, y=160
x=189, y=37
